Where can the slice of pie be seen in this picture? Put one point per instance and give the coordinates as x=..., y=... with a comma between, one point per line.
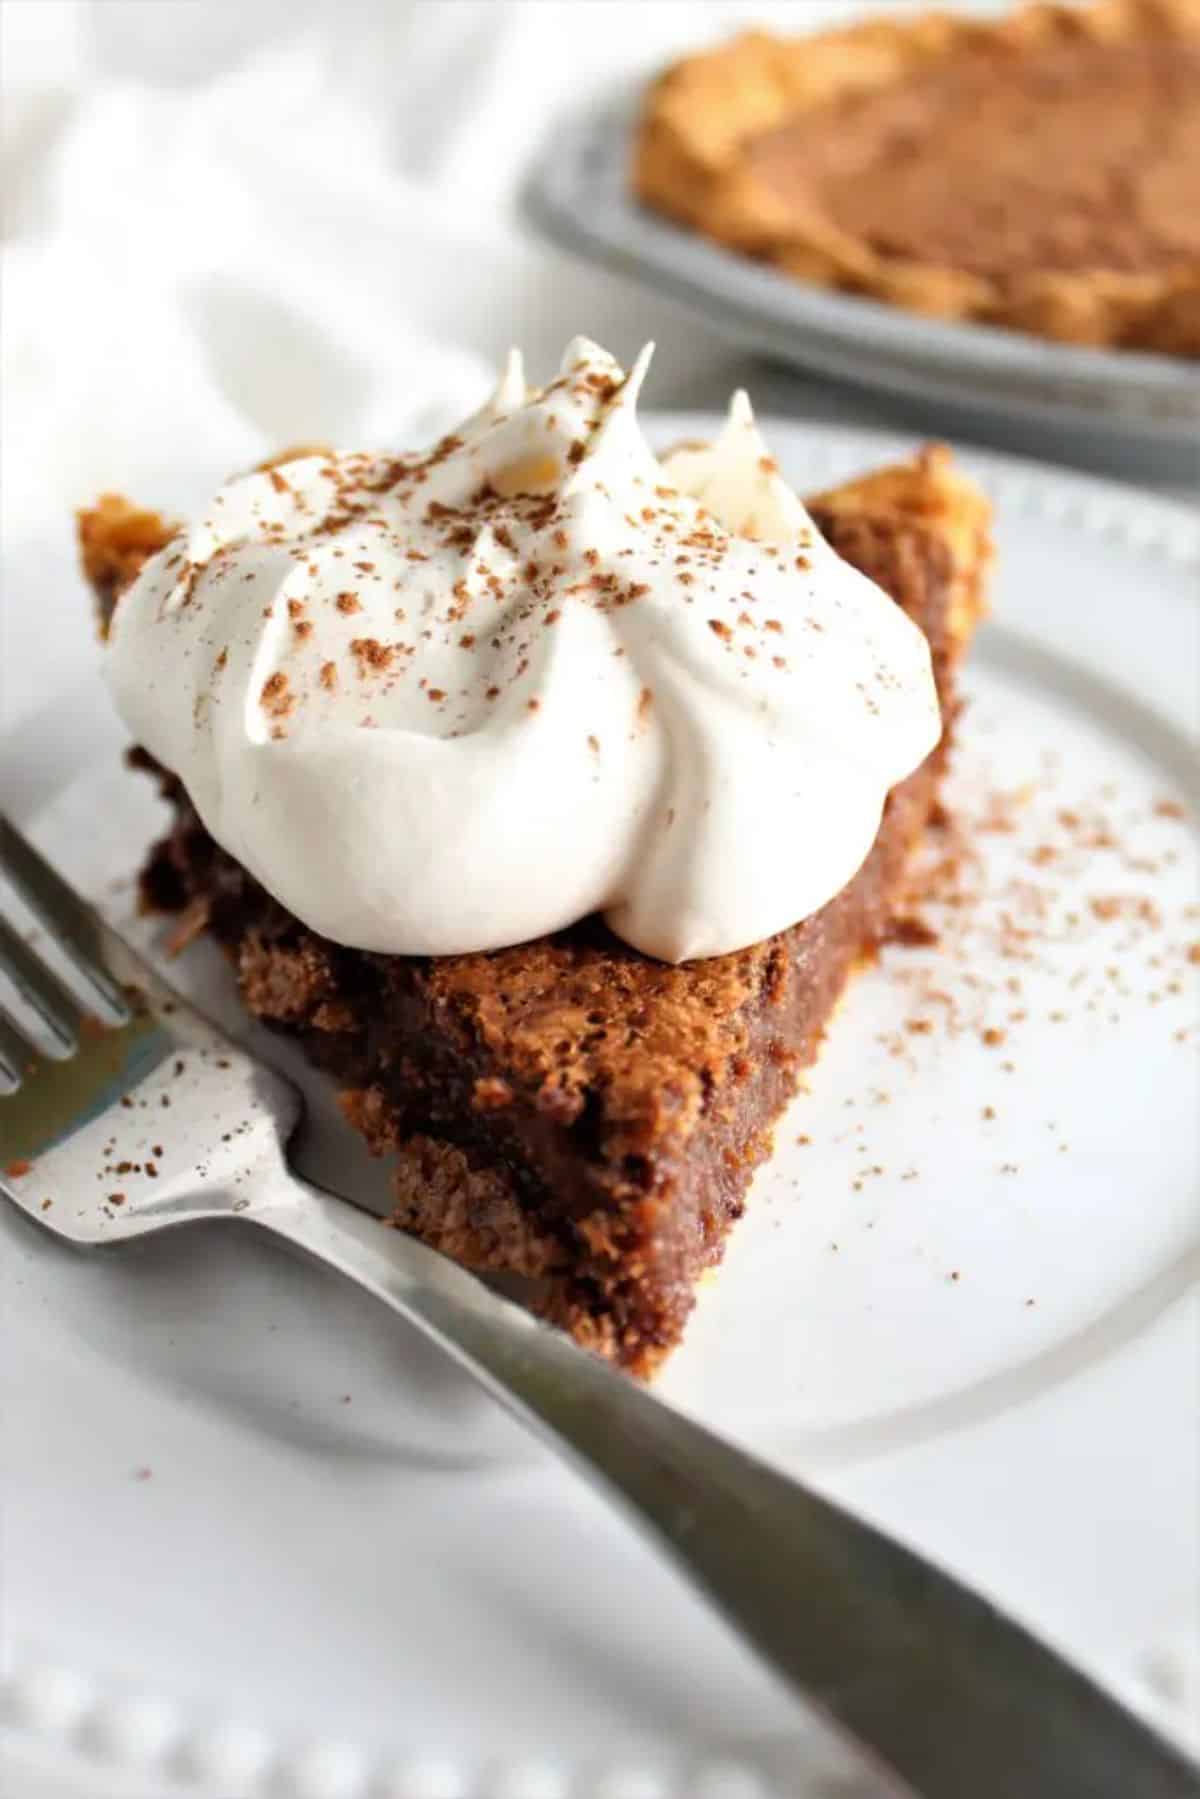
x=1040, y=171
x=570, y=1110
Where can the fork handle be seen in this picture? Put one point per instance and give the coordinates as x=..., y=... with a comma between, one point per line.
x=947, y=1694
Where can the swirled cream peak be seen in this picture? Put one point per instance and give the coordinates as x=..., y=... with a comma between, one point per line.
x=452, y=701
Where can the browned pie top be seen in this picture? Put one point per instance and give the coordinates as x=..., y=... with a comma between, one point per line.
x=1039, y=170
x=1079, y=155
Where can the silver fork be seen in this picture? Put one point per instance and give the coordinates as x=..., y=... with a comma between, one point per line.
x=144, y=1116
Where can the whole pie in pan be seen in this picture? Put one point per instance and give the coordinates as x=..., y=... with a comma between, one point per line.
x=1040, y=171
x=570, y=1109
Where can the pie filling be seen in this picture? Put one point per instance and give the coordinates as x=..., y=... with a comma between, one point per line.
x=1076, y=156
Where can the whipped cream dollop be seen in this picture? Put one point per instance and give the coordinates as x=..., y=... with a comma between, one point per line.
x=452, y=701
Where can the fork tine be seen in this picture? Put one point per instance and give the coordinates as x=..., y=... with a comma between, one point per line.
x=17, y=1054
x=63, y=913
x=39, y=988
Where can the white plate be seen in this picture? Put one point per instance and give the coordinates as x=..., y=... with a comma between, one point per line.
x=258, y=1540
x=1129, y=410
